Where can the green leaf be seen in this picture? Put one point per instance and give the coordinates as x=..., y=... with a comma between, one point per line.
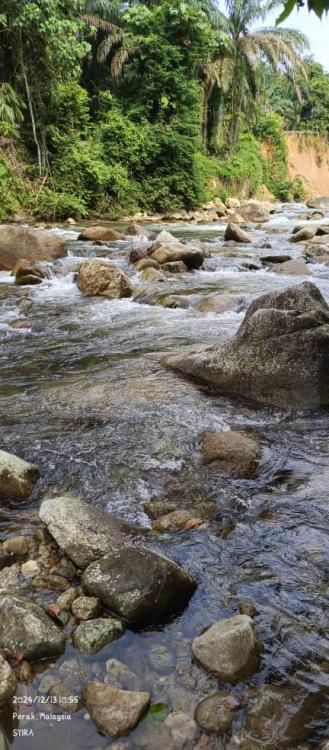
x=159, y=711
x=288, y=8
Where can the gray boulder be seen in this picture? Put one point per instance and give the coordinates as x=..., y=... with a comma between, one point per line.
x=23, y=242
x=17, y=477
x=228, y=649
x=255, y=211
x=7, y=682
x=26, y=629
x=279, y=356
x=83, y=531
x=139, y=585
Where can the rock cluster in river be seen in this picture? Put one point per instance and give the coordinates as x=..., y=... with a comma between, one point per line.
x=280, y=354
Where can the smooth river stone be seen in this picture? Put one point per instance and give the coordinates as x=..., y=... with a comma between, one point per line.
x=227, y=648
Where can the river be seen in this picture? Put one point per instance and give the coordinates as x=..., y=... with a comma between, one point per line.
x=84, y=396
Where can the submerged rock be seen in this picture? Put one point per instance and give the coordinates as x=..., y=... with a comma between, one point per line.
x=100, y=234
x=92, y=635
x=17, y=477
x=23, y=242
x=7, y=682
x=83, y=531
x=139, y=585
x=228, y=649
x=98, y=278
x=26, y=629
x=220, y=303
x=118, y=675
x=115, y=712
x=233, y=232
x=235, y=452
x=279, y=356
x=177, y=520
x=183, y=729
x=216, y=712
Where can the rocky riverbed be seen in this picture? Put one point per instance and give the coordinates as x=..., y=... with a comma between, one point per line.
x=164, y=567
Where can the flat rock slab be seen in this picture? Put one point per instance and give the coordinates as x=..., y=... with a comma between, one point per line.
x=91, y=636
x=26, y=629
x=279, y=356
x=228, y=649
x=139, y=585
x=83, y=531
x=115, y=712
x=17, y=477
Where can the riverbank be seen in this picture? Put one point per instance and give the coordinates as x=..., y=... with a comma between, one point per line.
x=85, y=398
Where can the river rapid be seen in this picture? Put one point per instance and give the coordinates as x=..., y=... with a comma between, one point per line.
x=83, y=395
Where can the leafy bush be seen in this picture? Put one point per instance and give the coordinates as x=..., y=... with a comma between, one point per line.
x=54, y=206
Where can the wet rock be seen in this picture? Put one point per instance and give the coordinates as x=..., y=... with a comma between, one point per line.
x=17, y=477
x=177, y=266
x=269, y=260
x=115, y=712
x=153, y=735
x=318, y=253
x=152, y=274
x=20, y=325
x=98, y=278
x=177, y=520
x=86, y=607
x=157, y=508
x=33, y=244
x=321, y=202
x=173, y=301
x=118, y=675
x=183, y=729
x=296, y=267
x=228, y=649
x=7, y=682
x=136, y=229
x=233, y=232
x=83, y=531
x=64, y=698
x=279, y=356
x=236, y=453
x=28, y=273
x=138, y=585
x=319, y=240
x=219, y=303
x=30, y=569
x=92, y=635
x=168, y=249
x=9, y=578
x=300, y=234
x=18, y=545
x=254, y=211
x=247, y=608
x=136, y=255
x=6, y=559
x=103, y=234
x=161, y=659
x=144, y=263
x=216, y=712
x=25, y=628
x=282, y=715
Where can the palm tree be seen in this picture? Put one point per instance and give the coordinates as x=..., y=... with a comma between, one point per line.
x=232, y=79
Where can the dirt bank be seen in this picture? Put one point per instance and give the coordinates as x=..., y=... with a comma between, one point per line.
x=308, y=158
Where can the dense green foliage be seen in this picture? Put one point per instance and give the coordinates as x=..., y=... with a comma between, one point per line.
x=110, y=107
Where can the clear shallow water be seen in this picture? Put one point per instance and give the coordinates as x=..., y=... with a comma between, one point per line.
x=84, y=396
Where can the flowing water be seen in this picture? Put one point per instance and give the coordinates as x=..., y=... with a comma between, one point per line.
x=84, y=396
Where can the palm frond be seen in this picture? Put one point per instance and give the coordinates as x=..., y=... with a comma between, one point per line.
x=102, y=25
x=119, y=58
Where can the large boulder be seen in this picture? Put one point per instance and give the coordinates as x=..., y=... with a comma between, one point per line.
x=33, y=244
x=17, y=477
x=26, y=273
x=254, y=211
x=7, y=682
x=83, y=531
x=98, y=278
x=279, y=356
x=300, y=234
x=26, y=629
x=322, y=202
x=168, y=249
x=100, y=234
x=115, y=712
x=228, y=649
x=139, y=585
